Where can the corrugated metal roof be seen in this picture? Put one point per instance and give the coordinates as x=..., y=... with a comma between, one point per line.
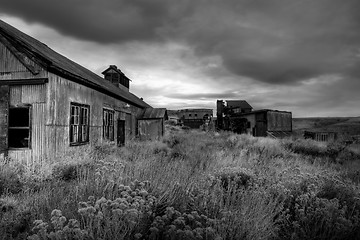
x=59, y=64
x=154, y=113
x=238, y=104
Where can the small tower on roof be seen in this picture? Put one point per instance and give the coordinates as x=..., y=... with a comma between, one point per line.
x=117, y=77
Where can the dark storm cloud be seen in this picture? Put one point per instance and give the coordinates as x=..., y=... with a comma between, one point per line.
x=204, y=96
x=97, y=20
x=273, y=41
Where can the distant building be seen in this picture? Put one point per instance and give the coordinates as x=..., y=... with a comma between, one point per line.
x=321, y=136
x=237, y=116
x=193, y=118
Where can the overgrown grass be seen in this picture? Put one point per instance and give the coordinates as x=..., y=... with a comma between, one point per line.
x=189, y=185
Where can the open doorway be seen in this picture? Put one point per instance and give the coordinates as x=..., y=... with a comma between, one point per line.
x=120, y=132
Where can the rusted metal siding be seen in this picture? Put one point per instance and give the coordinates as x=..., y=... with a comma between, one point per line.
x=150, y=129
x=279, y=121
x=11, y=68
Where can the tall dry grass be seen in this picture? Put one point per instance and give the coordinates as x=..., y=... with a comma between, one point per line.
x=203, y=185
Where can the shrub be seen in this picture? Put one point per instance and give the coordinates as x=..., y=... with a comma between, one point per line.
x=10, y=179
x=102, y=219
x=313, y=217
x=176, y=225
x=15, y=221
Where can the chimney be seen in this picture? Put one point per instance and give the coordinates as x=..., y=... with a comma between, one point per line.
x=117, y=77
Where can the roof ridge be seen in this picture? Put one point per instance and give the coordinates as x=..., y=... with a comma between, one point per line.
x=58, y=63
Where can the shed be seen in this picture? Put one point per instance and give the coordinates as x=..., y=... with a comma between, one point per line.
x=50, y=105
x=266, y=122
x=321, y=136
x=151, y=124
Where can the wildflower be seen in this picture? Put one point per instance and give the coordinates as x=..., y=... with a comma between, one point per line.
x=91, y=200
x=117, y=212
x=82, y=205
x=138, y=235
x=121, y=187
x=143, y=193
x=154, y=230
x=73, y=223
x=123, y=206
x=56, y=213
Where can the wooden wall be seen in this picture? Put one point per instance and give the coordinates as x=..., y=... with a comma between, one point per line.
x=12, y=68
x=60, y=93
x=279, y=121
x=34, y=95
x=50, y=110
x=150, y=129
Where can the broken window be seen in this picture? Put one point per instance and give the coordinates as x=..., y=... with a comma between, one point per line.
x=108, y=124
x=19, y=127
x=79, y=123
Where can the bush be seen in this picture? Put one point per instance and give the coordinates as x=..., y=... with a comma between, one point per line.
x=312, y=217
x=121, y=218
x=176, y=225
x=10, y=179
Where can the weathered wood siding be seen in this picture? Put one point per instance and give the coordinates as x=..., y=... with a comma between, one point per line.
x=150, y=129
x=11, y=68
x=60, y=93
x=34, y=95
x=50, y=110
x=279, y=121
x=4, y=109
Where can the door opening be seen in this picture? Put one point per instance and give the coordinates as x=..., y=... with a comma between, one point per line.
x=120, y=132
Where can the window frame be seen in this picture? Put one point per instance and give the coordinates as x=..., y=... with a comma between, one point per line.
x=80, y=123
x=108, y=124
x=29, y=128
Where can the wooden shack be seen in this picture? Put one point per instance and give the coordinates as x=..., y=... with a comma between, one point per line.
x=267, y=122
x=50, y=105
x=151, y=124
x=321, y=136
x=260, y=123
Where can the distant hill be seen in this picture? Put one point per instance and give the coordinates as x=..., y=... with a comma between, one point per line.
x=343, y=125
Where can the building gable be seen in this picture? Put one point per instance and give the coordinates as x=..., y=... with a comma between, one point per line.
x=14, y=64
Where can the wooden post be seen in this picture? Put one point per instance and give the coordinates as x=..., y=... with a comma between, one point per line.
x=4, y=113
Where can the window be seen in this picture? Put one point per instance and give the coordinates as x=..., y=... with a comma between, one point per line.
x=189, y=114
x=108, y=125
x=19, y=127
x=79, y=123
x=195, y=114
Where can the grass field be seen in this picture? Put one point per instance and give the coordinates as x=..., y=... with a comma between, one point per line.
x=344, y=126
x=189, y=185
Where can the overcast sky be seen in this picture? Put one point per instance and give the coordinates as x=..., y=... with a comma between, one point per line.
x=296, y=55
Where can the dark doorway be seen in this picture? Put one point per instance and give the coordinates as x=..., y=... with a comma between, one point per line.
x=120, y=132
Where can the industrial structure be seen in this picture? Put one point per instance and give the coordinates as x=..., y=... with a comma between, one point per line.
x=194, y=118
x=50, y=105
x=238, y=116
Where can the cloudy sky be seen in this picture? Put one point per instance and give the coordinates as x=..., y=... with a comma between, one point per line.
x=296, y=55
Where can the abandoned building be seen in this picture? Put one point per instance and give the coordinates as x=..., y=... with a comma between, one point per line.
x=151, y=125
x=238, y=116
x=321, y=136
x=194, y=118
x=50, y=105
